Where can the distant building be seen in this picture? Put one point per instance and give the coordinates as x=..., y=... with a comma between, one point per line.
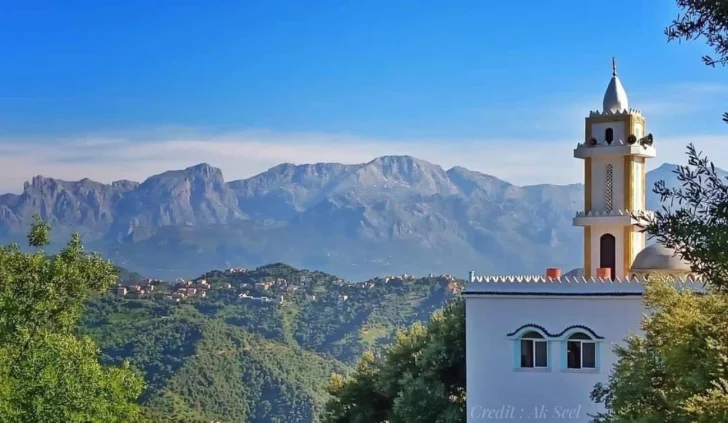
x=263, y=285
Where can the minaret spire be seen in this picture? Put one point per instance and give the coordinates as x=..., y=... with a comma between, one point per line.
x=615, y=99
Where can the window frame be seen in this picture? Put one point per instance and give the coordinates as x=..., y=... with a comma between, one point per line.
x=583, y=338
x=533, y=335
x=534, y=338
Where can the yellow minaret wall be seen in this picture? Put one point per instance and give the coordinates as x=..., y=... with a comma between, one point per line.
x=628, y=190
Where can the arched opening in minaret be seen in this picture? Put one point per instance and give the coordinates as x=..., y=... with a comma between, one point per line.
x=609, y=135
x=608, y=253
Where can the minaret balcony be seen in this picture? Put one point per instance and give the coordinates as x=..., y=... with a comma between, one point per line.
x=609, y=217
x=616, y=148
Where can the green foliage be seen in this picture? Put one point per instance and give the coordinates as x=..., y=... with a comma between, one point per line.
x=46, y=373
x=420, y=378
x=201, y=369
x=677, y=372
x=698, y=227
x=60, y=379
x=707, y=19
x=234, y=359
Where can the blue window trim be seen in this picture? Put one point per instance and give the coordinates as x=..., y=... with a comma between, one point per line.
x=564, y=339
x=540, y=329
x=517, y=355
x=556, y=343
x=518, y=333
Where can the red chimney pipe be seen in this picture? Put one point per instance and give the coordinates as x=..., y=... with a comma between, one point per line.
x=553, y=273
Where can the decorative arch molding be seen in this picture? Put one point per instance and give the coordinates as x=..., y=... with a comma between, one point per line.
x=564, y=334
x=529, y=327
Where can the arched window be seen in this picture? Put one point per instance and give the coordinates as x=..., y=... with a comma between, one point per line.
x=581, y=352
x=534, y=351
x=609, y=187
x=609, y=135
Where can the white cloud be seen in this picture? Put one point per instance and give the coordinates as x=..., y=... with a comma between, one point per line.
x=244, y=154
x=140, y=152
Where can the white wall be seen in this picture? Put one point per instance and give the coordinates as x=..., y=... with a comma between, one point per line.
x=494, y=383
x=599, y=129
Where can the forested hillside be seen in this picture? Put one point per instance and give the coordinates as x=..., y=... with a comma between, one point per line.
x=260, y=345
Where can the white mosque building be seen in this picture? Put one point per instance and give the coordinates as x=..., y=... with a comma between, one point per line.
x=537, y=345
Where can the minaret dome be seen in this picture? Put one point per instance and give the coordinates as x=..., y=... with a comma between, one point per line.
x=615, y=99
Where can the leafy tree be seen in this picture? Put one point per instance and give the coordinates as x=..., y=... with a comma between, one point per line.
x=677, y=372
x=698, y=227
x=47, y=373
x=707, y=19
x=420, y=378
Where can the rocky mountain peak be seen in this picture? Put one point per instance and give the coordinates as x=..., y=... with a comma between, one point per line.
x=392, y=214
x=404, y=173
x=203, y=169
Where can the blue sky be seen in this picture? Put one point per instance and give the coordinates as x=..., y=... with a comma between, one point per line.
x=116, y=89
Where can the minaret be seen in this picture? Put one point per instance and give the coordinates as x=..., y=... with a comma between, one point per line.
x=614, y=151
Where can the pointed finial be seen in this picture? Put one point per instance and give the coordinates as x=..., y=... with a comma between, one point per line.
x=614, y=66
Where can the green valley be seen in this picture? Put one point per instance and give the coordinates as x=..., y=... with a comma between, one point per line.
x=257, y=345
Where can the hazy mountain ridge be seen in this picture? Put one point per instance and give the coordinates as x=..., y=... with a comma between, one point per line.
x=393, y=214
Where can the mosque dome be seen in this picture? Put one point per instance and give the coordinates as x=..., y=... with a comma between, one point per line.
x=615, y=98
x=656, y=258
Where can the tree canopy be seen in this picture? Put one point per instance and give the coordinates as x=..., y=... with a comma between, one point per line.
x=420, y=377
x=47, y=373
x=694, y=218
x=678, y=371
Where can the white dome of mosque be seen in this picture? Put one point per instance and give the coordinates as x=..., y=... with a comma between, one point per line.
x=615, y=99
x=657, y=257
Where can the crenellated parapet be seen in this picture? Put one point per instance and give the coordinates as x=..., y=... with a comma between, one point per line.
x=571, y=279
x=570, y=285
x=623, y=112
x=614, y=143
x=618, y=147
x=614, y=213
x=615, y=216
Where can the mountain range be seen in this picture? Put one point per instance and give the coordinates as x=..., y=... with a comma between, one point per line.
x=394, y=214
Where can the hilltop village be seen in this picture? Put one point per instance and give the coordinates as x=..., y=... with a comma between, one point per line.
x=240, y=283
